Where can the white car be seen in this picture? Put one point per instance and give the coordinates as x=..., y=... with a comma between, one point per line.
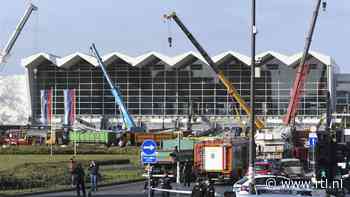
x=291, y=167
x=273, y=186
x=262, y=182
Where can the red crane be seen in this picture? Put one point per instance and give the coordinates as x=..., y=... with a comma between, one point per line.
x=303, y=70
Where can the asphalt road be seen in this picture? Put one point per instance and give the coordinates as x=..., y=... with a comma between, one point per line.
x=126, y=190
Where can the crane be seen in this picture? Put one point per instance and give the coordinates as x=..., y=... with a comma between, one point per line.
x=5, y=52
x=303, y=70
x=232, y=91
x=127, y=118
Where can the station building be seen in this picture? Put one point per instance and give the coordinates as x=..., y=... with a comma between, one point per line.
x=158, y=89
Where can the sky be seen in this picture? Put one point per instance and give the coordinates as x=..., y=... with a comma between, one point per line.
x=135, y=27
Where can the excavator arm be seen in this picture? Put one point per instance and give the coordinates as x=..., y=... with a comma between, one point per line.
x=232, y=91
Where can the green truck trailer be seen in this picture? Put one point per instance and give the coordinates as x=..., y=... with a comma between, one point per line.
x=93, y=137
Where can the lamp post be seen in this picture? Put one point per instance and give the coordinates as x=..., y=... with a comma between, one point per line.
x=251, y=169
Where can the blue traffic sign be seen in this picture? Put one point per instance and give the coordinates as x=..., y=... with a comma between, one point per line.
x=312, y=141
x=149, y=147
x=149, y=159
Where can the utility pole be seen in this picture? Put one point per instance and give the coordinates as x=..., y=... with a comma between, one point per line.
x=251, y=169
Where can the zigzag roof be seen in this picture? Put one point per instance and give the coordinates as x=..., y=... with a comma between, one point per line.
x=178, y=60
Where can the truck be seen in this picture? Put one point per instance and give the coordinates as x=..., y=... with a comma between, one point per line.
x=157, y=137
x=17, y=137
x=93, y=137
x=221, y=160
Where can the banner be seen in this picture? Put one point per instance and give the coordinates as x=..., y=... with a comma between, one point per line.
x=46, y=106
x=69, y=106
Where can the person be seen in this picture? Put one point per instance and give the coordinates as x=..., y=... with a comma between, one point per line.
x=79, y=176
x=93, y=168
x=166, y=185
x=153, y=182
x=187, y=174
x=71, y=167
x=210, y=191
x=197, y=190
x=204, y=186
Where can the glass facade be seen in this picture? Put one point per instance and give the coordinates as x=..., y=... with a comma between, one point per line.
x=157, y=89
x=343, y=93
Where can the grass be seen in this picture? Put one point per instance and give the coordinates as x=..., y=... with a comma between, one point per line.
x=42, y=172
x=11, y=161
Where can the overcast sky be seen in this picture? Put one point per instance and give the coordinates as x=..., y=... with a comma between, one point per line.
x=134, y=27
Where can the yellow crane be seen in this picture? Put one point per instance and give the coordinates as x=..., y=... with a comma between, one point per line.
x=231, y=90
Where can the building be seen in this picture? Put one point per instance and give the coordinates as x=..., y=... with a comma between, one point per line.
x=158, y=89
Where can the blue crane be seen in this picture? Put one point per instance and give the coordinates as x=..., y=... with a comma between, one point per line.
x=128, y=120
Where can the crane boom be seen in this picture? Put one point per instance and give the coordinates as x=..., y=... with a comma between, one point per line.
x=232, y=91
x=302, y=71
x=131, y=126
x=8, y=47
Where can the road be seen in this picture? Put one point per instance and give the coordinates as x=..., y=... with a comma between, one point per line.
x=124, y=190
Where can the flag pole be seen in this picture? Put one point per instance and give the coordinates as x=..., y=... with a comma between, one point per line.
x=50, y=119
x=73, y=109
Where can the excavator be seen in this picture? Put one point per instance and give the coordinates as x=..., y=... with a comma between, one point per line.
x=231, y=90
x=5, y=52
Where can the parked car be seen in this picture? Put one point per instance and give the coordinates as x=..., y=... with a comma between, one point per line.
x=263, y=168
x=291, y=167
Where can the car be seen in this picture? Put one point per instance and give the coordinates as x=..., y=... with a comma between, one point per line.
x=262, y=182
x=274, y=185
x=291, y=167
x=263, y=168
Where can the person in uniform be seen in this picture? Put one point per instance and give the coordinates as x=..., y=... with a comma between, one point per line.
x=197, y=190
x=210, y=191
x=187, y=174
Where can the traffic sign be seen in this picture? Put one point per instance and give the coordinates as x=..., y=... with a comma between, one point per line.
x=149, y=159
x=312, y=135
x=149, y=147
x=148, y=154
x=312, y=141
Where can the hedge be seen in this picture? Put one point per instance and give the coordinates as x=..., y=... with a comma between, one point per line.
x=82, y=149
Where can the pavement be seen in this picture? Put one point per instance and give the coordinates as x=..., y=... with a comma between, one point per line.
x=129, y=190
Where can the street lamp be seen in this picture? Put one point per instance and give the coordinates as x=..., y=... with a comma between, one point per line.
x=251, y=169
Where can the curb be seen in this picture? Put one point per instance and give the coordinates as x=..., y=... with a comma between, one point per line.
x=73, y=189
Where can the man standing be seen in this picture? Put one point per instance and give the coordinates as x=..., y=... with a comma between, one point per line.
x=93, y=168
x=71, y=167
x=188, y=174
x=80, y=176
